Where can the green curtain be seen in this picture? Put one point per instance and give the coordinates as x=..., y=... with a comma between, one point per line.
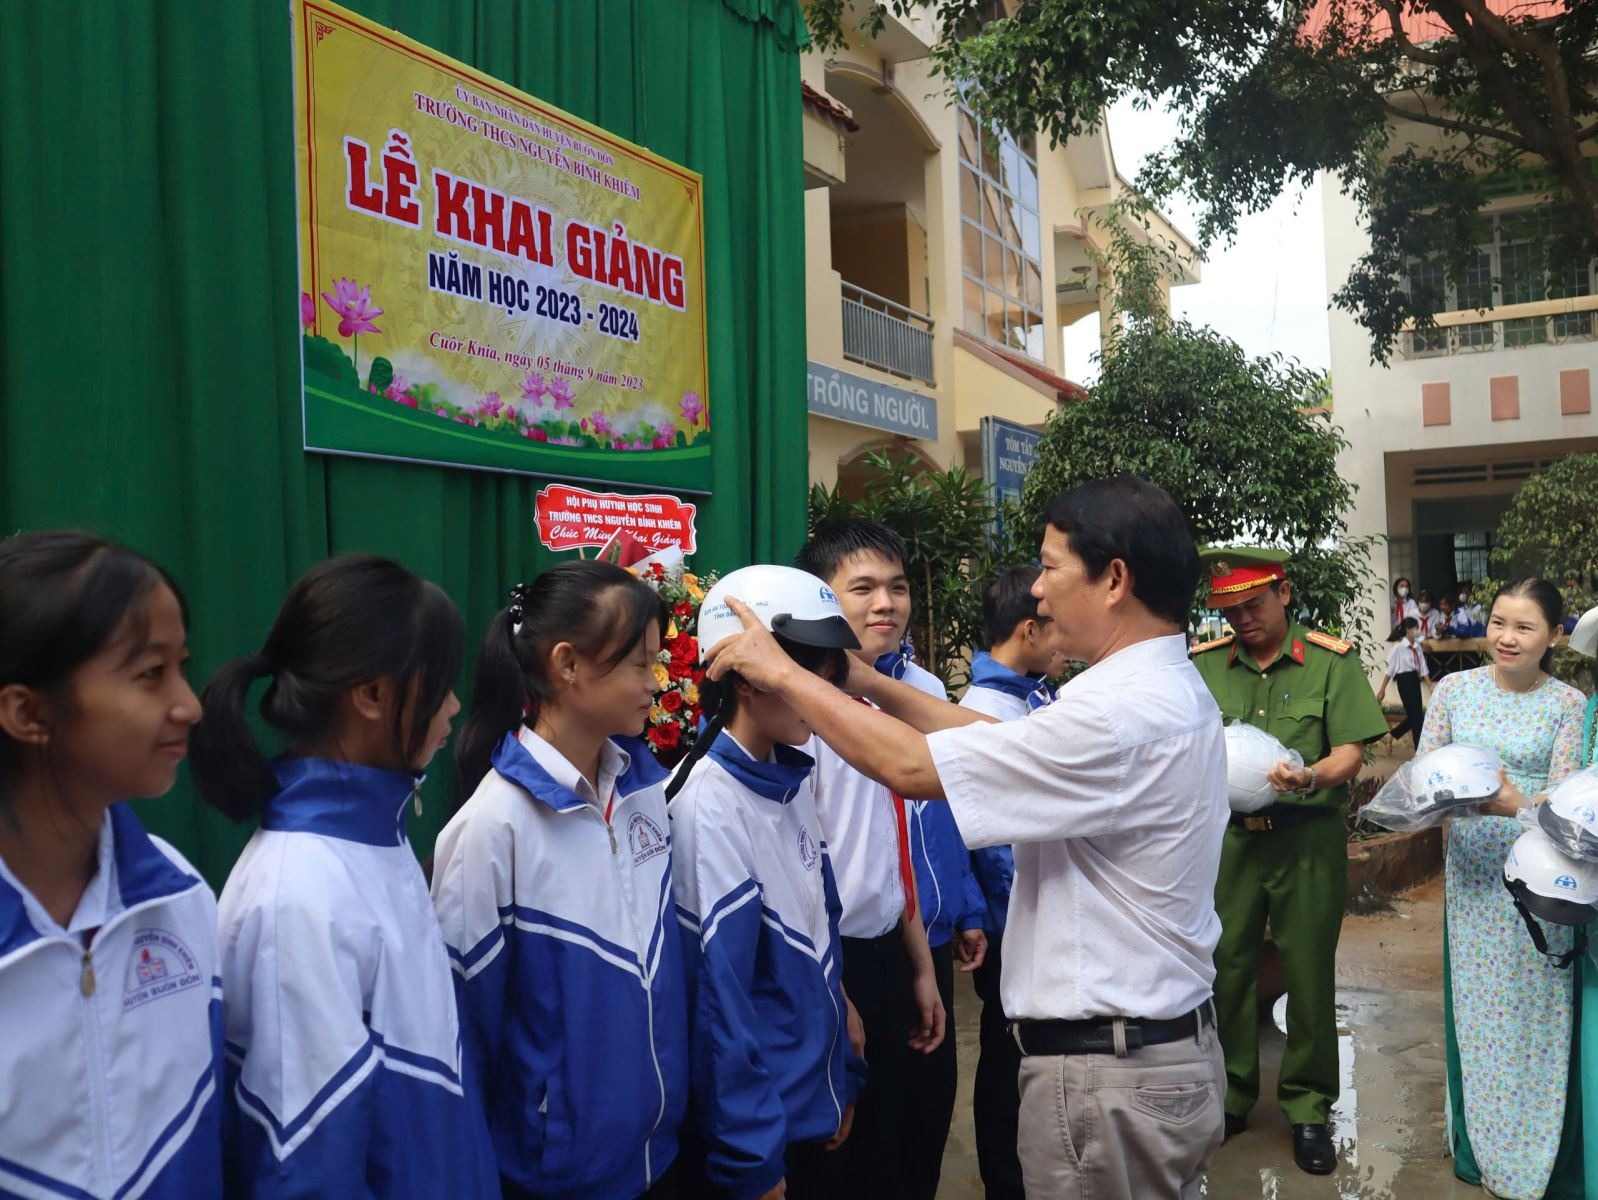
x=149, y=337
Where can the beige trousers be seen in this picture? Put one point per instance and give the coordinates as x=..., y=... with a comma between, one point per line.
x=1142, y=1127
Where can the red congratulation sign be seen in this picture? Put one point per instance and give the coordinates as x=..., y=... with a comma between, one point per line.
x=570, y=518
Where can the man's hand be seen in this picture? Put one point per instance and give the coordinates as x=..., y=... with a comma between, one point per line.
x=844, y=1126
x=754, y=653
x=929, y=1007
x=857, y=1029
x=1284, y=779
x=970, y=947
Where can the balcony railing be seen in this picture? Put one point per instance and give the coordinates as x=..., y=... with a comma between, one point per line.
x=885, y=334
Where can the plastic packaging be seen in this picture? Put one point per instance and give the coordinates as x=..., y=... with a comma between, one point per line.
x=1251, y=755
x=1570, y=815
x=1451, y=781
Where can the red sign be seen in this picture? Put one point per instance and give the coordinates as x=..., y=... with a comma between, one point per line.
x=570, y=518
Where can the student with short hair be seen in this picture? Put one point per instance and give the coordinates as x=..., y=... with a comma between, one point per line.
x=553, y=884
x=110, y=1063
x=344, y=1061
x=774, y=1076
x=1009, y=680
x=887, y=964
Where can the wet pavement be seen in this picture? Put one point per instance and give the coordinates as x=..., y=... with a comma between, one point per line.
x=1389, y=1121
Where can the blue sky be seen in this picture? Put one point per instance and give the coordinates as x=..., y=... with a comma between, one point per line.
x=1266, y=289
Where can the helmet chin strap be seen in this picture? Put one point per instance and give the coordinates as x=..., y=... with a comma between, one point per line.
x=707, y=735
x=1538, y=939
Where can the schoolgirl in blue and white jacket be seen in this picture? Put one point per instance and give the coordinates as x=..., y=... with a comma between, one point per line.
x=110, y=1000
x=345, y=1070
x=774, y=1074
x=553, y=887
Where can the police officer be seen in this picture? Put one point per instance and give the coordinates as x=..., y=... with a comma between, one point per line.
x=1287, y=863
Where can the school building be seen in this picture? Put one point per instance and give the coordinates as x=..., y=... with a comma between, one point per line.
x=1443, y=435
x=943, y=260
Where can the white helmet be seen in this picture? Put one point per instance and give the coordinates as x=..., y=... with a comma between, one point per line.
x=1584, y=638
x=1426, y=789
x=1548, y=886
x=793, y=604
x=1251, y=753
x=1570, y=815
x=1455, y=776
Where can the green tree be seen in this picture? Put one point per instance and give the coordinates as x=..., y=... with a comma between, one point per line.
x=1242, y=444
x=1425, y=108
x=946, y=519
x=1551, y=530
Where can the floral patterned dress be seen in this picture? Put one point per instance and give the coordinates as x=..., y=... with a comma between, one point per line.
x=1509, y=1016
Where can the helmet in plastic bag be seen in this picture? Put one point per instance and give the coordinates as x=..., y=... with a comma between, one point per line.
x=793, y=604
x=1584, y=638
x=1251, y=755
x=1549, y=886
x=1455, y=776
x=1570, y=815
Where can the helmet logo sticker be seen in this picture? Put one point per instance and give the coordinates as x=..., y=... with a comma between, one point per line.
x=1567, y=882
x=828, y=595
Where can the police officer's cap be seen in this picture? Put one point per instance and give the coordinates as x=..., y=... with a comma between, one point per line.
x=1237, y=574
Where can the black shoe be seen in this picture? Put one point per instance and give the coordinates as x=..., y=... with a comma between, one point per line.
x=1313, y=1150
x=1235, y=1125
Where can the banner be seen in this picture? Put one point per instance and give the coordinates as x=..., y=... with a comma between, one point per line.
x=486, y=281
x=571, y=518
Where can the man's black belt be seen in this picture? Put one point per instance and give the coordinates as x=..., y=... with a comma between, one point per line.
x=1278, y=816
x=1097, y=1034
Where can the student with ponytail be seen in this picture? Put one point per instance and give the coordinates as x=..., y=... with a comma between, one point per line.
x=343, y=1042
x=553, y=884
x=109, y=997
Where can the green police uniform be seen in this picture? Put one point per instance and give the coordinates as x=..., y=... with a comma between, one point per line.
x=1289, y=863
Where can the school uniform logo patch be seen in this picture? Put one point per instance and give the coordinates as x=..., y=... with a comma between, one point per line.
x=645, y=839
x=160, y=966
x=808, y=854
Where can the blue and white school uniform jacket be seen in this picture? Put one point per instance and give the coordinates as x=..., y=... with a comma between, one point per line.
x=110, y=1057
x=568, y=970
x=948, y=893
x=758, y=908
x=1008, y=695
x=343, y=1045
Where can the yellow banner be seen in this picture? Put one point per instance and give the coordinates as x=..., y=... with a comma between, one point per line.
x=485, y=280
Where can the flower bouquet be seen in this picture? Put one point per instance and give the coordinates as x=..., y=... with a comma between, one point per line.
x=674, y=719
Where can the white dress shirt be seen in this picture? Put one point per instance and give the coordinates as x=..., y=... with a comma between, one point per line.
x=1115, y=799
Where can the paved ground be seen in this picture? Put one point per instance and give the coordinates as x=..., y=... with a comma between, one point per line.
x=1389, y=1123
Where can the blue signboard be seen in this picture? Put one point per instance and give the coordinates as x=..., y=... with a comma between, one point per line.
x=1008, y=452
x=861, y=401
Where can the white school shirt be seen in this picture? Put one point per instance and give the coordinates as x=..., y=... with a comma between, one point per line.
x=1406, y=656
x=862, y=832
x=1115, y=799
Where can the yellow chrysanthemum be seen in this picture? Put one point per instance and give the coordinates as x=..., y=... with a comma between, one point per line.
x=661, y=677
x=691, y=694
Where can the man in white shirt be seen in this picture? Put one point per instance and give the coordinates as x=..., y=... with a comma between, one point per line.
x=1114, y=798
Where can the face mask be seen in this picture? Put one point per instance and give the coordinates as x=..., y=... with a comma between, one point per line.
x=1464, y=597
x=1424, y=607
x=1403, y=593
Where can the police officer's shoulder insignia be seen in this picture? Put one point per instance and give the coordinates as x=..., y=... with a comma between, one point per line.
x=1327, y=642
x=1214, y=645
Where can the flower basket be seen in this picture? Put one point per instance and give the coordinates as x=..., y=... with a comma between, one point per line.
x=674, y=719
